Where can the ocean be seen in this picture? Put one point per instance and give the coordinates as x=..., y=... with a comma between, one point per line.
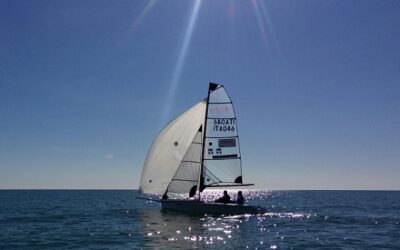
x=115, y=219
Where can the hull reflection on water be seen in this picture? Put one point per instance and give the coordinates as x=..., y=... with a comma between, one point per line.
x=200, y=207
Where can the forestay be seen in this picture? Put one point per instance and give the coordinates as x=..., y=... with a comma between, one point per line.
x=169, y=149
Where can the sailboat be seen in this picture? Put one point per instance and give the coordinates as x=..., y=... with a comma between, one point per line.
x=199, y=149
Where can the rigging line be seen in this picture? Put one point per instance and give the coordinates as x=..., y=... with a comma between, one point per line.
x=204, y=132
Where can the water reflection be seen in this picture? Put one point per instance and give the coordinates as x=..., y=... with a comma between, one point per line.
x=115, y=220
x=177, y=230
x=301, y=220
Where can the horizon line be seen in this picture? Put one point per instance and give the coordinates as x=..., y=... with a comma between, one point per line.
x=126, y=189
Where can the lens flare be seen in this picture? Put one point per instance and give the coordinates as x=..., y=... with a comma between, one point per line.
x=260, y=23
x=136, y=22
x=265, y=26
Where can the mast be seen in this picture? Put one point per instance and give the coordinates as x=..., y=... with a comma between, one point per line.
x=211, y=87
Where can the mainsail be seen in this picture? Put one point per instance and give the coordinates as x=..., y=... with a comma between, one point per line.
x=169, y=148
x=222, y=164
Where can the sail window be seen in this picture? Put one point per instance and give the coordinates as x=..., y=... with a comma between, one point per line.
x=222, y=143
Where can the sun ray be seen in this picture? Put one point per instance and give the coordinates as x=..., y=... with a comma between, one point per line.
x=180, y=61
x=138, y=20
x=142, y=14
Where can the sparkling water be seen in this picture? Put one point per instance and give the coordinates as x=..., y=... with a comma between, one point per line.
x=115, y=219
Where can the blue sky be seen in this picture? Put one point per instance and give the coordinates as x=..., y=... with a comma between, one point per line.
x=86, y=85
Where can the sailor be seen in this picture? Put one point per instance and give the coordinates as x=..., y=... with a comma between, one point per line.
x=225, y=198
x=240, y=198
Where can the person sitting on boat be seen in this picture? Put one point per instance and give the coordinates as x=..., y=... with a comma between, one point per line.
x=240, y=198
x=225, y=198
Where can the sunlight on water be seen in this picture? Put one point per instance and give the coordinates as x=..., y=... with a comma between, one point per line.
x=115, y=220
x=213, y=194
x=229, y=231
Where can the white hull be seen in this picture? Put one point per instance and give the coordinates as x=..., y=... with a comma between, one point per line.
x=200, y=207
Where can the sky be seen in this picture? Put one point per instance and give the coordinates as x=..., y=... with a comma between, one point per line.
x=86, y=85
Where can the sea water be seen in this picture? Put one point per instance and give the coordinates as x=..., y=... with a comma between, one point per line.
x=101, y=219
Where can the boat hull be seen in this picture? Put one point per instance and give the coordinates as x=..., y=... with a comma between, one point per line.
x=200, y=207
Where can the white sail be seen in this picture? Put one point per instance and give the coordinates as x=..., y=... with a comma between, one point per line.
x=221, y=157
x=187, y=175
x=169, y=148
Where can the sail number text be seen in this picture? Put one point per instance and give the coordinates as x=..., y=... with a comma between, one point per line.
x=225, y=124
